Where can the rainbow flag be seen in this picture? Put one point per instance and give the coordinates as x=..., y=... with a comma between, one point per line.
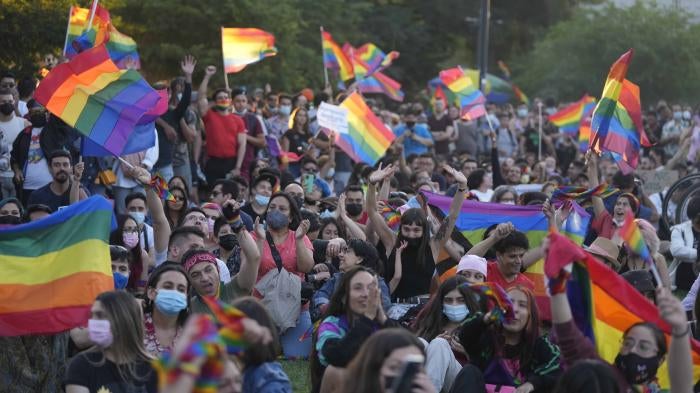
x=53, y=269
x=368, y=138
x=582, y=193
x=334, y=58
x=617, y=125
x=476, y=217
x=122, y=48
x=604, y=304
x=471, y=100
x=519, y=95
x=230, y=322
x=245, y=46
x=374, y=57
x=369, y=79
x=584, y=131
x=569, y=118
x=630, y=233
x=103, y=102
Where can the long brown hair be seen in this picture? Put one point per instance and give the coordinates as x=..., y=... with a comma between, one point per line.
x=529, y=334
x=363, y=373
x=431, y=321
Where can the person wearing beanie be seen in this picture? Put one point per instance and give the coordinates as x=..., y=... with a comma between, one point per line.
x=473, y=268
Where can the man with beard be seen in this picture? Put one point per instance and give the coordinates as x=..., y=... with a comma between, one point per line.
x=65, y=188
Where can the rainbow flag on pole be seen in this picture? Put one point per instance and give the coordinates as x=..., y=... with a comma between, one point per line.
x=604, y=304
x=335, y=59
x=374, y=57
x=568, y=119
x=471, y=100
x=370, y=80
x=245, y=46
x=52, y=269
x=475, y=217
x=103, y=102
x=368, y=138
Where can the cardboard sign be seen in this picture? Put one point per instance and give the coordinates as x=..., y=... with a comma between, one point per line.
x=655, y=181
x=333, y=117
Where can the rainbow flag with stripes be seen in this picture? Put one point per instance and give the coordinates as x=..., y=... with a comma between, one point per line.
x=374, y=57
x=245, y=46
x=475, y=217
x=569, y=118
x=334, y=58
x=53, y=269
x=617, y=125
x=471, y=100
x=370, y=80
x=103, y=102
x=122, y=48
x=604, y=304
x=368, y=138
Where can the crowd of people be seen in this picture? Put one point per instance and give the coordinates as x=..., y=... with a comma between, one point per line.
x=344, y=263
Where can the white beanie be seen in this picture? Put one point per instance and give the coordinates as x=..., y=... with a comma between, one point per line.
x=472, y=262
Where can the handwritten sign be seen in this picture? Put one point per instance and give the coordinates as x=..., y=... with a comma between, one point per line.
x=333, y=117
x=655, y=181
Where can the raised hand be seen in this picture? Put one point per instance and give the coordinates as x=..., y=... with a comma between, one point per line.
x=341, y=206
x=302, y=229
x=401, y=246
x=210, y=70
x=188, y=63
x=141, y=175
x=258, y=229
x=78, y=170
x=458, y=175
x=671, y=310
x=335, y=246
x=381, y=173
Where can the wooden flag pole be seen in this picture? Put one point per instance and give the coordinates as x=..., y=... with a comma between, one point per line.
x=325, y=70
x=223, y=61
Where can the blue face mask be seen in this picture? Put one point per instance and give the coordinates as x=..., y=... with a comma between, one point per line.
x=522, y=112
x=120, y=280
x=285, y=110
x=138, y=217
x=170, y=302
x=455, y=313
x=327, y=214
x=262, y=199
x=276, y=220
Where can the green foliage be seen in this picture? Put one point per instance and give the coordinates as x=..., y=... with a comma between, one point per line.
x=575, y=55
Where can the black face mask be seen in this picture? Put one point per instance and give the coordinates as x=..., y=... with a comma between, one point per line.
x=353, y=209
x=414, y=241
x=637, y=369
x=38, y=120
x=410, y=124
x=7, y=108
x=228, y=242
x=300, y=201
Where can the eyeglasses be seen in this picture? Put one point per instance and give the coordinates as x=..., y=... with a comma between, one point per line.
x=7, y=85
x=644, y=348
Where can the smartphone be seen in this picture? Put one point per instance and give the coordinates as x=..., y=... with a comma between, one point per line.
x=404, y=381
x=307, y=181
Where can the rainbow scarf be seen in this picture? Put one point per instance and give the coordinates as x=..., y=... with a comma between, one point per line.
x=501, y=307
x=581, y=193
x=160, y=186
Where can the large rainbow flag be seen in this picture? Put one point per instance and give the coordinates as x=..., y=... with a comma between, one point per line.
x=471, y=100
x=569, y=118
x=368, y=138
x=245, y=46
x=475, y=217
x=617, y=125
x=334, y=58
x=52, y=269
x=103, y=102
x=122, y=48
x=604, y=304
x=369, y=78
x=374, y=57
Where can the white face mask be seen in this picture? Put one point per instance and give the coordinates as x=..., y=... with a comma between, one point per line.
x=455, y=313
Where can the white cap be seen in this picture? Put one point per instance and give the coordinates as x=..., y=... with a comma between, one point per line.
x=472, y=262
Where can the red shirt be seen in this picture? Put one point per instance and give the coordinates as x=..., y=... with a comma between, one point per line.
x=222, y=133
x=494, y=275
x=604, y=225
x=288, y=253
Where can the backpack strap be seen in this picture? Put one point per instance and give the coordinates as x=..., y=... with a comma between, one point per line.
x=273, y=250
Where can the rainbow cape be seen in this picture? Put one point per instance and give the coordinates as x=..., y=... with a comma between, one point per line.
x=103, y=102
x=334, y=58
x=53, y=269
x=569, y=118
x=475, y=217
x=604, y=304
x=368, y=138
x=617, y=125
x=241, y=47
x=122, y=48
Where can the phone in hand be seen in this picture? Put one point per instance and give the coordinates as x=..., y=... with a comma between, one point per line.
x=307, y=181
x=404, y=381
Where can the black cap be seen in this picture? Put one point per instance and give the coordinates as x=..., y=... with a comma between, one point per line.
x=640, y=280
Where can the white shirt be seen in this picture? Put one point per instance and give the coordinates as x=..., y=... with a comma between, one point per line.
x=148, y=161
x=8, y=133
x=483, y=196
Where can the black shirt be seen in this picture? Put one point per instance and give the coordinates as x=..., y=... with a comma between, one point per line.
x=45, y=196
x=415, y=277
x=97, y=374
x=440, y=125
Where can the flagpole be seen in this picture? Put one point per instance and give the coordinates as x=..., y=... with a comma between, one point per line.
x=539, y=143
x=223, y=60
x=325, y=70
x=92, y=14
x=65, y=42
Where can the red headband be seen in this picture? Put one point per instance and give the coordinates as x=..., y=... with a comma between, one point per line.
x=199, y=258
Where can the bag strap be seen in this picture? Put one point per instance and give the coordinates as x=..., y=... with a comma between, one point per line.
x=273, y=250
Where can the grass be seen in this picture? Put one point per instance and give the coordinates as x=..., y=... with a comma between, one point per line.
x=298, y=372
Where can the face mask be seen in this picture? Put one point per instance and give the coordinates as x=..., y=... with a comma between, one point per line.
x=262, y=199
x=138, y=217
x=330, y=173
x=120, y=280
x=170, y=302
x=179, y=96
x=38, y=120
x=677, y=115
x=354, y=209
x=550, y=111
x=327, y=214
x=414, y=241
x=222, y=105
x=130, y=239
x=227, y=242
x=388, y=382
x=241, y=113
x=285, y=110
x=7, y=108
x=522, y=112
x=455, y=313
x=637, y=369
x=687, y=115
x=277, y=220
x=410, y=124
x=210, y=225
x=100, y=332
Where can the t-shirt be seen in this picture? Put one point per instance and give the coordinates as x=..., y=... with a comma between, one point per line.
x=440, y=125
x=222, y=133
x=8, y=133
x=228, y=292
x=288, y=253
x=46, y=196
x=99, y=375
x=410, y=145
x=493, y=274
x=468, y=138
x=483, y=196
x=36, y=170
